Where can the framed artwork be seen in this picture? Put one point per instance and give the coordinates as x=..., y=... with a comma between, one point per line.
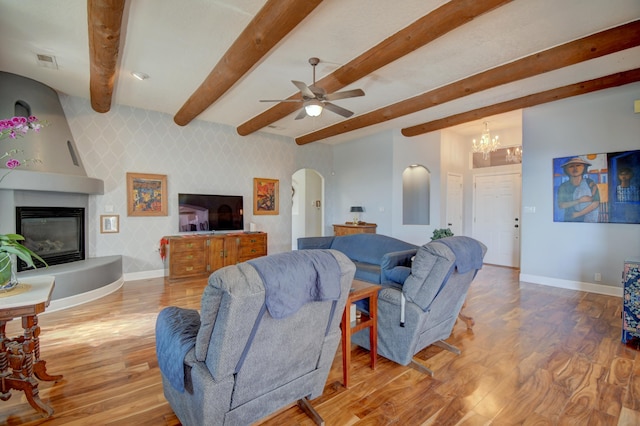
x=109, y=224
x=146, y=194
x=600, y=188
x=265, y=196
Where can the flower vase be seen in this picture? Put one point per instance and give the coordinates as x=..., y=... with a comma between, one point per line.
x=8, y=269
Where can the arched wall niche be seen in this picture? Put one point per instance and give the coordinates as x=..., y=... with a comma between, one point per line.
x=416, y=191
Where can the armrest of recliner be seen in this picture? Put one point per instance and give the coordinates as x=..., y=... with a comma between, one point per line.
x=394, y=300
x=176, y=331
x=306, y=243
x=396, y=259
x=390, y=295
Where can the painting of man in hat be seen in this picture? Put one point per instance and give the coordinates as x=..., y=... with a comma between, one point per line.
x=624, y=185
x=577, y=197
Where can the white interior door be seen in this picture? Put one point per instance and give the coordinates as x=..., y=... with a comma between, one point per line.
x=496, y=204
x=454, y=203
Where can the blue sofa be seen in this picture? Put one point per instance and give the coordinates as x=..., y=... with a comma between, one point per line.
x=379, y=259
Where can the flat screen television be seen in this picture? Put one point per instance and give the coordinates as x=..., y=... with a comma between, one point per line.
x=203, y=212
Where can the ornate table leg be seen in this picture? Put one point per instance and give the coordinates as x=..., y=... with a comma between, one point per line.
x=39, y=365
x=5, y=389
x=21, y=363
x=19, y=354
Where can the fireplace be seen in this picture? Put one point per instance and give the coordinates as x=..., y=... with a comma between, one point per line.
x=54, y=233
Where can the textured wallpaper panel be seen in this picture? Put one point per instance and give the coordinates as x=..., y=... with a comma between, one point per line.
x=198, y=158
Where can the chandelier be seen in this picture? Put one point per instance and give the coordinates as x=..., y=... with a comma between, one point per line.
x=487, y=144
x=514, y=155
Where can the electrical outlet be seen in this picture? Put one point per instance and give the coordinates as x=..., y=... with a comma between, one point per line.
x=597, y=277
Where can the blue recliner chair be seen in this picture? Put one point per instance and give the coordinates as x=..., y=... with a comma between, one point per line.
x=265, y=337
x=423, y=309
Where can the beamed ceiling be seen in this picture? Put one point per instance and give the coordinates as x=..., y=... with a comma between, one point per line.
x=424, y=65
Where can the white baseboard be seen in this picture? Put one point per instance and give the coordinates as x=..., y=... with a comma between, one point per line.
x=572, y=285
x=143, y=275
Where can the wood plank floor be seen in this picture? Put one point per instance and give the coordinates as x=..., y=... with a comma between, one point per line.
x=536, y=356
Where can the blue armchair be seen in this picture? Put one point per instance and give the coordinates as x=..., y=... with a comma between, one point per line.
x=265, y=337
x=423, y=310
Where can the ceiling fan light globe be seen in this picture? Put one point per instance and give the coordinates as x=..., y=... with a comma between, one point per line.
x=313, y=108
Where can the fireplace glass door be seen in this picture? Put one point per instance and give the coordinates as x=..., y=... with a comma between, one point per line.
x=54, y=233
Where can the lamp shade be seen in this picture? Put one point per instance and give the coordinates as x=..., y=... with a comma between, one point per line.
x=356, y=209
x=313, y=108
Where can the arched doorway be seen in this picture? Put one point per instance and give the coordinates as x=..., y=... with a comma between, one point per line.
x=307, y=205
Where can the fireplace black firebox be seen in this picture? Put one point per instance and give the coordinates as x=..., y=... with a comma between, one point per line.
x=55, y=233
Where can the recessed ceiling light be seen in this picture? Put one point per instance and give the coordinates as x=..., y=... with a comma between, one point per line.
x=140, y=75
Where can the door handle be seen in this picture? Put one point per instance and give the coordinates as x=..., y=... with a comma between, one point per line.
x=515, y=226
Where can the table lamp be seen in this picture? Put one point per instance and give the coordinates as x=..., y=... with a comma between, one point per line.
x=356, y=210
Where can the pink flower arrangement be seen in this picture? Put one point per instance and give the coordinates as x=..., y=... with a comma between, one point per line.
x=19, y=126
x=13, y=128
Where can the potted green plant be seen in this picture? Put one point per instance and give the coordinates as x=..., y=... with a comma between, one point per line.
x=10, y=249
x=441, y=233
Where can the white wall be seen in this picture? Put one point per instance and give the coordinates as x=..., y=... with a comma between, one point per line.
x=424, y=150
x=362, y=177
x=569, y=254
x=198, y=158
x=298, y=206
x=313, y=193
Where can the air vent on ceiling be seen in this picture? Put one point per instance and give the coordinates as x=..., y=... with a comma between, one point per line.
x=47, y=61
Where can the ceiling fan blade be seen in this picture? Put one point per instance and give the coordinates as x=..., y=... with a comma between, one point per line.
x=304, y=89
x=281, y=100
x=338, y=110
x=343, y=95
x=318, y=91
x=302, y=114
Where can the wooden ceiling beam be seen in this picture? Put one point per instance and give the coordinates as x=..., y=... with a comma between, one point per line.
x=594, y=46
x=105, y=21
x=271, y=24
x=426, y=29
x=607, y=82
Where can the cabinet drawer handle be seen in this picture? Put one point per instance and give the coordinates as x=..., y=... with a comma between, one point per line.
x=190, y=256
x=189, y=268
x=190, y=245
x=254, y=240
x=253, y=250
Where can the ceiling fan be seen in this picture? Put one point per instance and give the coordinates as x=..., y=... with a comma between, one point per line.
x=315, y=98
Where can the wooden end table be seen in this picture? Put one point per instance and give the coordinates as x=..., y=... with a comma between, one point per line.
x=360, y=290
x=20, y=356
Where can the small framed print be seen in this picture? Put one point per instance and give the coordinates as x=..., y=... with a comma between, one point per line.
x=109, y=224
x=265, y=196
x=146, y=194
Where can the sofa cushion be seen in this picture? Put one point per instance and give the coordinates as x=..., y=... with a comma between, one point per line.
x=305, y=243
x=368, y=248
x=367, y=272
